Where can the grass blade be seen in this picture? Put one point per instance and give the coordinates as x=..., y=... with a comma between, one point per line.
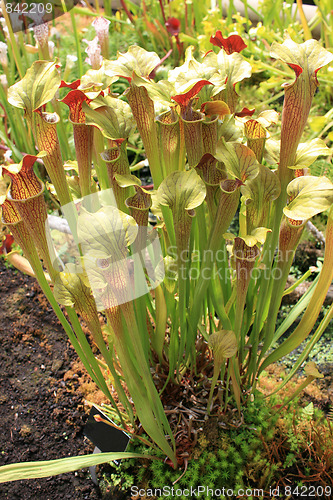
x=33, y=470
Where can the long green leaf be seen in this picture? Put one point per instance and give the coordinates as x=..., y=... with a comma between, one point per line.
x=296, y=311
x=33, y=470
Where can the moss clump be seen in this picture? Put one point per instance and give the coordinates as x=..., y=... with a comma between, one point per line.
x=264, y=448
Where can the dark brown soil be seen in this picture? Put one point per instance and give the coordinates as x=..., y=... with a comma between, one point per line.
x=41, y=407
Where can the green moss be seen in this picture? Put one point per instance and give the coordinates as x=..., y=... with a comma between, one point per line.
x=240, y=457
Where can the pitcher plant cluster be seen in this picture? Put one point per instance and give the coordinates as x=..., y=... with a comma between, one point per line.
x=185, y=297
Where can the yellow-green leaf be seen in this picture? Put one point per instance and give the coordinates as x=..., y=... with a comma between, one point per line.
x=267, y=117
x=317, y=123
x=106, y=233
x=171, y=273
x=33, y=470
x=240, y=161
x=233, y=66
x=99, y=76
x=112, y=116
x=135, y=60
x=311, y=370
x=258, y=193
x=182, y=189
x=191, y=70
x=217, y=68
x=69, y=284
x=308, y=152
x=160, y=92
x=308, y=56
x=260, y=234
x=61, y=294
x=38, y=87
x=127, y=180
x=310, y=196
x=265, y=187
x=224, y=344
x=15, y=168
x=272, y=151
